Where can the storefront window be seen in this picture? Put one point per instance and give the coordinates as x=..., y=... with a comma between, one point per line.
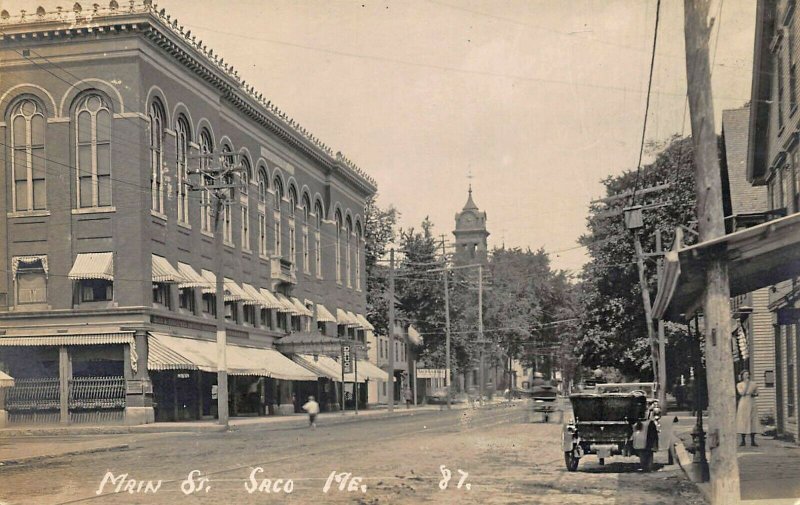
x=96, y=290
x=161, y=294
x=186, y=299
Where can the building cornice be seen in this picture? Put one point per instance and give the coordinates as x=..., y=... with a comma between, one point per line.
x=166, y=34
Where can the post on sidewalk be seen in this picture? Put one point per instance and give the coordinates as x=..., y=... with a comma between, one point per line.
x=724, y=465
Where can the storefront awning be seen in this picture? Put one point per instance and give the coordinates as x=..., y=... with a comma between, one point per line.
x=286, y=305
x=253, y=296
x=302, y=310
x=93, y=266
x=324, y=315
x=233, y=293
x=191, y=279
x=757, y=257
x=167, y=352
x=362, y=321
x=164, y=272
x=273, y=302
x=371, y=371
x=6, y=381
x=354, y=322
x=325, y=366
x=67, y=339
x=346, y=318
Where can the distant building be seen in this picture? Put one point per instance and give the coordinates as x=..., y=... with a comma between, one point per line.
x=470, y=234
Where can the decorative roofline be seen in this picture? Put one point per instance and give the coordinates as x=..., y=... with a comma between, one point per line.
x=234, y=88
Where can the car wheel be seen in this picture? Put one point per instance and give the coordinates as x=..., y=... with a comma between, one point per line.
x=646, y=460
x=571, y=461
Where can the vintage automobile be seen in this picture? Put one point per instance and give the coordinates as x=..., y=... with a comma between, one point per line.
x=621, y=422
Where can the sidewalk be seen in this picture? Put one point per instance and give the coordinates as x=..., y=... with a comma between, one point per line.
x=33, y=444
x=768, y=474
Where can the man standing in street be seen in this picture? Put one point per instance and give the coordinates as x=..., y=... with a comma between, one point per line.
x=312, y=407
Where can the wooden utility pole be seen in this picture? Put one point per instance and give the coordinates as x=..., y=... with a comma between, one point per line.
x=391, y=332
x=647, y=306
x=480, y=332
x=447, y=325
x=662, y=343
x=724, y=466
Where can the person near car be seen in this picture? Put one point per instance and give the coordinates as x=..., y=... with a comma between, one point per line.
x=746, y=411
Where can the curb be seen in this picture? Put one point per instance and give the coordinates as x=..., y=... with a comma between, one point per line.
x=36, y=459
x=684, y=460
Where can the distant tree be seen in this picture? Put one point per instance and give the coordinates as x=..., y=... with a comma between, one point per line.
x=379, y=234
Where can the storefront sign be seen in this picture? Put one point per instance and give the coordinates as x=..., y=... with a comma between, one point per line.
x=346, y=361
x=430, y=373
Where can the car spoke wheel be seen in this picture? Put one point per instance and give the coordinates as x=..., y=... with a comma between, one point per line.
x=646, y=460
x=571, y=461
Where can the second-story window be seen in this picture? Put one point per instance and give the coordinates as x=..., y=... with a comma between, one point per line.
x=348, y=238
x=206, y=147
x=156, y=115
x=278, y=185
x=227, y=225
x=28, y=158
x=338, y=247
x=262, y=211
x=182, y=137
x=93, y=134
x=779, y=77
x=292, y=229
x=358, y=255
x=305, y=252
x=245, y=205
x=317, y=238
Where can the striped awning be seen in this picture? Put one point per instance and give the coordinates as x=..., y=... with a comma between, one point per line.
x=6, y=381
x=169, y=352
x=354, y=322
x=67, y=339
x=26, y=262
x=273, y=302
x=301, y=309
x=253, y=296
x=233, y=293
x=324, y=315
x=164, y=272
x=93, y=266
x=343, y=317
x=325, y=366
x=191, y=278
x=362, y=321
x=286, y=305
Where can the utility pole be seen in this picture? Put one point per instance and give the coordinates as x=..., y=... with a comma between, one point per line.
x=662, y=344
x=646, y=300
x=447, y=324
x=724, y=467
x=480, y=331
x=391, y=331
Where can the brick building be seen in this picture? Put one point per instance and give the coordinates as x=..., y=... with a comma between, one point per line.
x=107, y=306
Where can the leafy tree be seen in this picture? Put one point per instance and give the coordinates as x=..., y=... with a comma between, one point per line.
x=379, y=233
x=612, y=326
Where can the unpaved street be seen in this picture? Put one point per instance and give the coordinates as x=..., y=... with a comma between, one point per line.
x=503, y=460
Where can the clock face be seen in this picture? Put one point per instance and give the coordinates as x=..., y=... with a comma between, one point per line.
x=468, y=219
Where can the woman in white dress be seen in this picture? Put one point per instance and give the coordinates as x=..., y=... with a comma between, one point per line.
x=746, y=411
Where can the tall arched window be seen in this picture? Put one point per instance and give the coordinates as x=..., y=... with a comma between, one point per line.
x=93, y=151
x=206, y=148
x=183, y=137
x=157, y=115
x=278, y=185
x=306, y=210
x=359, y=238
x=28, y=159
x=244, y=203
x=348, y=262
x=227, y=226
x=317, y=237
x=338, y=221
x=262, y=215
x=292, y=226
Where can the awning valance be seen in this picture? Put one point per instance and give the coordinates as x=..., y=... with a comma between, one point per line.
x=324, y=315
x=362, y=321
x=93, y=266
x=168, y=352
x=23, y=262
x=6, y=381
x=325, y=366
x=302, y=310
x=286, y=305
x=270, y=299
x=164, y=272
x=192, y=279
x=67, y=339
x=756, y=257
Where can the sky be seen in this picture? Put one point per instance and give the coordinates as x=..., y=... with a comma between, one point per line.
x=533, y=102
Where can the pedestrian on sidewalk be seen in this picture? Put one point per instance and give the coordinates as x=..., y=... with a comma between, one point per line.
x=746, y=411
x=312, y=407
x=409, y=398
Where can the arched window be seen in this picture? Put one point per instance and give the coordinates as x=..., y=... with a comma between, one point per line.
x=262, y=185
x=338, y=221
x=292, y=228
x=28, y=159
x=183, y=137
x=93, y=151
x=227, y=158
x=317, y=237
x=359, y=237
x=157, y=115
x=244, y=204
x=278, y=185
x=206, y=148
x=348, y=238
x=306, y=209
x=262, y=216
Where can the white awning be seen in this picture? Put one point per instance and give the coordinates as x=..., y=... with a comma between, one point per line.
x=233, y=293
x=371, y=371
x=301, y=309
x=164, y=272
x=27, y=261
x=6, y=381
x=286, y=305
x=346, y=318
x=93, y=266
x=253, y=296
x=67, y=339
x=354, y=322
x=270, y=299
x=191, y=278
x=362, y=321
x=324, y=315
x=325, y=366
x=167, y=352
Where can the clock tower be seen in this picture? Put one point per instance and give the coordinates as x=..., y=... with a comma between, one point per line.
x=470, y=234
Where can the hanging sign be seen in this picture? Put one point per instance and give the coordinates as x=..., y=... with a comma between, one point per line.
x=347, y=362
